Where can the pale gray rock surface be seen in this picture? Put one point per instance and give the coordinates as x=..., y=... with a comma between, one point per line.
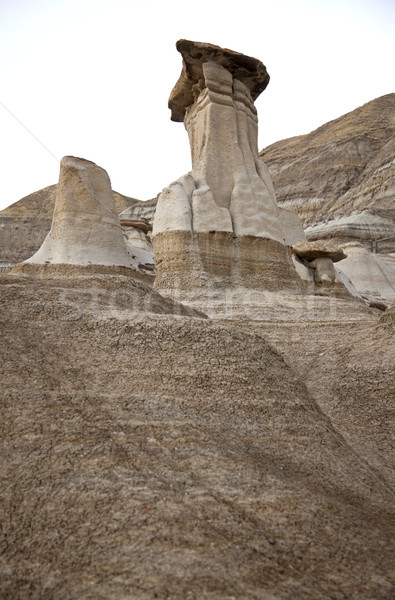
x=138, y=238
x=25, y=224
x=324, y=270
x=292, y=227
x=229, y=189
x=86, y=231
x=140, y=209
x=372, y=274
x=357, y=226
x=85, y=225
x=342, y=277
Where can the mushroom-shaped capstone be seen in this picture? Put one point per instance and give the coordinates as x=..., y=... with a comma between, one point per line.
x=250, y=71
x=318, y=249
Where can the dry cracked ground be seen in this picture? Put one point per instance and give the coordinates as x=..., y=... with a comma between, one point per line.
x=148, y=452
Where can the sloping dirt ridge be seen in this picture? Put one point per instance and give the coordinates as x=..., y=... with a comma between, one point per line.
x=163, y=456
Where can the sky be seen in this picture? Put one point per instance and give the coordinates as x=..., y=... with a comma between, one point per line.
x=91, y=78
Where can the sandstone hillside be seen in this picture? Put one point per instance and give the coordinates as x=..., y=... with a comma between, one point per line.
x=343, y=167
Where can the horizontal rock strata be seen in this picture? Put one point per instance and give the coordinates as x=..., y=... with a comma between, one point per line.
x=139, y=209
x=234, y=260
x=343, y=168
x=227, y=276
x=178, y=457
x=219, y=228
x=362, y=227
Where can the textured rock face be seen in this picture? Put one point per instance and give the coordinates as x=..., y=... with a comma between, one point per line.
x=230, y=277
x=140, y=209
x=344, y=168
x=138, y=238
x=317, y=258
x=318, y=249
x=229, y=189
x=25, y=224
x=220, y=224
x=292, y=227
x=20, y=238
x=246, y=69
x=372, y=274
x=85, y=226
x=158, y=455
x=361, y=226
x=189, y=262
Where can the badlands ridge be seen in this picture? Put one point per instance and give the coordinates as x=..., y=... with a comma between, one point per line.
x=197, y=391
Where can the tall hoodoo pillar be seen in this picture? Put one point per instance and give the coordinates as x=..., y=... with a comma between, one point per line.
x=220, y=225
x=86, y=235
x=232, y=190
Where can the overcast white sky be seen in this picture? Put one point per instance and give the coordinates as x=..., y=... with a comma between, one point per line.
x=91, y=78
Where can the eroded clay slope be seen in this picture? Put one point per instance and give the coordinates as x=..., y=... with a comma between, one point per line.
x=349, y=369
x=344, y=166
x=164, y=456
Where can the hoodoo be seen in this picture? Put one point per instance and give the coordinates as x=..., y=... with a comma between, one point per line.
x=85, y=231
x=220, y=240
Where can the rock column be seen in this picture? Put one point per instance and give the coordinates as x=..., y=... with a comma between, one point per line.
x=220, y=223
x=85, y=232
x=233, y=190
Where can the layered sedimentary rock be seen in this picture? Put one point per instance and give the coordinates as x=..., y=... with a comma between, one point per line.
x=140, y=209
x=340, y=178
x=186, y=459
x=365, y=227
x=246, y=69
x=220, y=241
x=25, y=224
x=229, y=189
x=220, y=223
x=315, y=260
x=85, y=230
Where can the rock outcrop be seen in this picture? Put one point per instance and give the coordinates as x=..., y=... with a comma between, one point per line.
x=319, y=257
x=85, y=230
x=246, y=69
x=229, y=189
x=218, y=233
x=148, y=451
x=140, y=209
x=220, y=224
x=25, y=224
x=340, y=179
x=313, y=250
x=374, y=231
x=372, y=274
